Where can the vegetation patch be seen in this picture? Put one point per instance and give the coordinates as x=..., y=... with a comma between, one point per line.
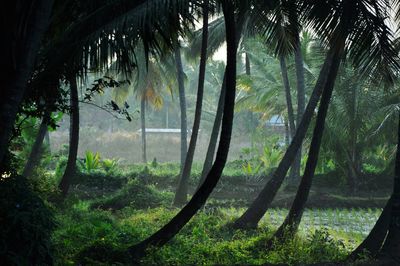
x=135, y=195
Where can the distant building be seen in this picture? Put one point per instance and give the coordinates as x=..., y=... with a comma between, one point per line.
x=164, y=130
x=276, y=125
x=276, y=121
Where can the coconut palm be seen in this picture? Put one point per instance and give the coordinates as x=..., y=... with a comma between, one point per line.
x=182, y=102
x=23, y=26
x=70, y=169
x=336, y=21
x=378, y=243
x=181, y=192
x=173, y=227
x=35, y=154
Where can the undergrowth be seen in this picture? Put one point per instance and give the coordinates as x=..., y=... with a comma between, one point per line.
x=99, y=237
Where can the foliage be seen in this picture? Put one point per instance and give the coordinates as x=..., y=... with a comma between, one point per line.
x=60, y=167
x=98, y=237
x=91, y=161
x=110, y=165
x=135, y=195
x=261, y=160
x=100, y=179
x=26, y=224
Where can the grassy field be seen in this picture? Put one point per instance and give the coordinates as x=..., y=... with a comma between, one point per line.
x=111, y=208
x=98, y=236
x=105, y=214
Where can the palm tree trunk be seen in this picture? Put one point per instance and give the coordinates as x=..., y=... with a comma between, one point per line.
x=143, y=125
x=214, y=135
x=384, y=239
x=163, y=235
x=47, y=140
x=36, y=152
x=260, y=205
x=286, y=86
x=391, y=246
x=373, y=242
x=19, y=48
x=181, y=192
x=292, y=221
x=301, y=96
x=220, y=108
x=247, y=64
x=182, y=103
x=353, y=174
x=70, y=169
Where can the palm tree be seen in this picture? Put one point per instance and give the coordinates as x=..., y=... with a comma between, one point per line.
x=288, y=97
x=391, y=246
x=143, y=126
x=35, y=154
x=163, y=235
x=22, y=29
x=384, y=238
x=181, y=192
x=148, y=86
x=83, y=41
x=70, y=169
x=351, y=20
x=293, y=219
x=378, y=243
x=182, y=103
x=301, y=98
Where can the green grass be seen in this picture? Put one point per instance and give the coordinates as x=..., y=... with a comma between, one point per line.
x=105, y=214
x=97, y=236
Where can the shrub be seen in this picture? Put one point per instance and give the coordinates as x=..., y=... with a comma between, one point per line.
x=135, y=195
x=26, y=224
x=91, y=162
x=110, y=165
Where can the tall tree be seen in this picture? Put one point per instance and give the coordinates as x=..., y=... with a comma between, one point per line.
x=301, y=98
x=260, y=205
x=288, y=97
x=384, y=239
x=36, y=152
x=391, y=246
x=168, y=231
x=214, y=134
x=70, y=169
x=293, y=219
x=336, y=21
x=143, y=126
x=182, y=103
x=23, y=25
x=182, y=190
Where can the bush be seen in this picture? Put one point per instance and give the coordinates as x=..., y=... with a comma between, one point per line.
x=135, y=195
x=100, y=179
x=26, y=224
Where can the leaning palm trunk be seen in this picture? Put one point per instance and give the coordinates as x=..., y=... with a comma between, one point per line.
x=391, y=246
x=220, y=108
x=163, y=235
x=301, y=96
x=286, y=86
x=260, y=205
x=373, y=242
x=19, y=59
x=143, y=126
x=70, y=169
x=182, y=190
x=182, y=103
x=36, y=152
x=384, y=239
x=214, y=135
x=292, y=221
